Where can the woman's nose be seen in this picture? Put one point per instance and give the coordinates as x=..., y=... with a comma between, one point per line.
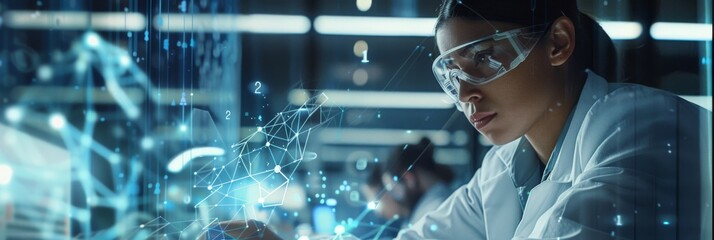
x=469, y=92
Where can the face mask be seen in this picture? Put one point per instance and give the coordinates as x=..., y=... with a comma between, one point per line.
x=394, y=188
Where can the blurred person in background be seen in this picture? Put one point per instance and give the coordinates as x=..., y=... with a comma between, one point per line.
x=415, y=181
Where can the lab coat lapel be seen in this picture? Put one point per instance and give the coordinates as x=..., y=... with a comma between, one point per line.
x=501, y=208
x=566, y=166
x=541, y=198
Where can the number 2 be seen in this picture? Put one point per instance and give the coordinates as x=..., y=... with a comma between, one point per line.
x=257, y=87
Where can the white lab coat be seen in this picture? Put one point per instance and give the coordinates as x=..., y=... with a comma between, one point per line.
x=632, y=164
x=428, y=202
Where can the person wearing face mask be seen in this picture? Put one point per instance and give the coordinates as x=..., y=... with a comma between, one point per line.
x=383, y=205
x=574, y=157
x=415, y=181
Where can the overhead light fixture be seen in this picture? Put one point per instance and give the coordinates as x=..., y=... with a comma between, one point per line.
x=252, y=23
x=622, y=30
x=179, y=161
x=5, y=174
x=382, y=99
x=375, y=26
x=75, y=20
x=387, y=137
x=681, y=31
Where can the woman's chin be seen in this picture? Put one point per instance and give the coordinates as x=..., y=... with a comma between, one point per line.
x=498, y=139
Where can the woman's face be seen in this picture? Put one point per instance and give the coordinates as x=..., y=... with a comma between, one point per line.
x=508, y=107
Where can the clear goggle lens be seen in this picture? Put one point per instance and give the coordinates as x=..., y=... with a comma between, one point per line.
x=483, y=60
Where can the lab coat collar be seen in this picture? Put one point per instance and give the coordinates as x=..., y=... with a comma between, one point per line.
x=595, y=88
x=431, y=199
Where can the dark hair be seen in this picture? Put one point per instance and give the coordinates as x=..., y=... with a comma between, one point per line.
x=409, y=157
x=374, y=179
x=593, y=49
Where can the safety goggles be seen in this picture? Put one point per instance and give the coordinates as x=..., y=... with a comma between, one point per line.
x=484, y=60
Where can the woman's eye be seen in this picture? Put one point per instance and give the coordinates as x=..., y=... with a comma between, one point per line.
x=481, y=57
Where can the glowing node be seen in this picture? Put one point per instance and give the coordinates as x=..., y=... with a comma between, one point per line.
x=261, y=200
x=260, y=129
x=57, y=121
x=5, y=174
x=122, y=203
x=91, y=116
x=339, y=229
x=276, y=169
x=86, y=140
x=44, y=73
x=92, y=40
x=124, y=61
x=363, y=5
x=433, y=227
x=114, y=159
x=14, y=114
x=360, y=77
x=147, y=143
x=141, y=226
x=359, y=47
x=372, y=205
x=361, y=164
x=183, y=127
x=618, y=220
x=267, y=144
x=209, y=187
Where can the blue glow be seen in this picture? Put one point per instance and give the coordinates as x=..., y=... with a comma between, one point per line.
x=323, y=219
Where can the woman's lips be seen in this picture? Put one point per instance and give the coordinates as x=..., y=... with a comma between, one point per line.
x=481, y=119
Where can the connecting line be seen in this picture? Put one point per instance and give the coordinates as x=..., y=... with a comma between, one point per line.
x=204, y=199
x=241, y=178
x=383, y=227
x=95, y=146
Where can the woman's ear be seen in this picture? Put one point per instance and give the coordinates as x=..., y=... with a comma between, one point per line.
x=562, y=41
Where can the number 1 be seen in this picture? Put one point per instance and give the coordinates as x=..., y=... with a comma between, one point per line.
x=364, y=56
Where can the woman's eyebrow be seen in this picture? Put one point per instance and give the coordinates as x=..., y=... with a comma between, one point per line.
x=476, y=47
x=483, y=45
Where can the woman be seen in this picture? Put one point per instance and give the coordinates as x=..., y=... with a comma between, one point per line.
x=574, y=156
